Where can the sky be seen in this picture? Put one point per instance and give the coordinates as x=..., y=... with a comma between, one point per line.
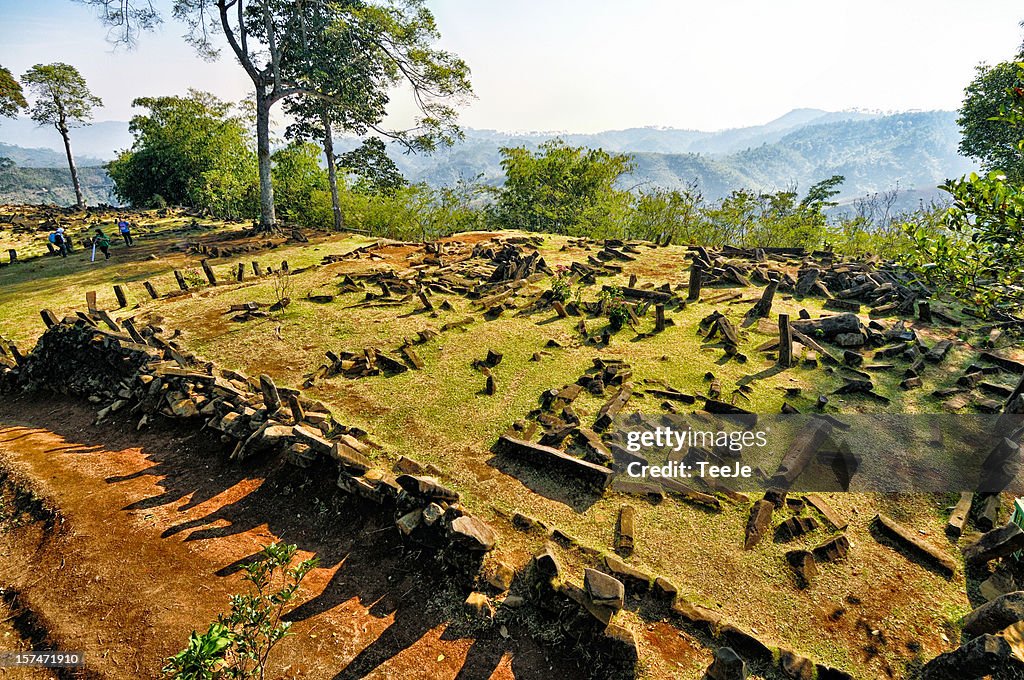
x=592, y=65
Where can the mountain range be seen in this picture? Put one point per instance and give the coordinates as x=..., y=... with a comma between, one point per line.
x=876, y=152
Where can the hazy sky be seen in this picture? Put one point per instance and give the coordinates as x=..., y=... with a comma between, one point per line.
x=590, y=65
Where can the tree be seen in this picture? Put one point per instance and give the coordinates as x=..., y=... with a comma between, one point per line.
x=670, y=216
x=978, y=251
x=561, y=189
x=375, y=170
x=989, y=140
x=293, y=49
x=190, y=151
x=12, y=99
x=62, y=99
x=313, y=121
x=301, y=185
x=353, y=98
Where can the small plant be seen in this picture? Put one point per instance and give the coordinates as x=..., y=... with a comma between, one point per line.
x=282, y=289
x=615, y=307
x=237, y=645
x=193, y=277
x=561, y=288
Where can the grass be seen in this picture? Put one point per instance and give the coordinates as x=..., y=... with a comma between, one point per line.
x=439, y=416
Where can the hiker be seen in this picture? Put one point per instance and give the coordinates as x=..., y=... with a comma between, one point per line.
x=126, y=232
x=60, y=239
x=101, y=241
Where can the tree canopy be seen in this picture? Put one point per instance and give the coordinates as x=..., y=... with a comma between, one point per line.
x=374, y=170
x=302, y=185
x=321, y=50
x=62, y=99
x=192, y=151
x=61, y=96
x=12, y=99
x=984, y=137
x=560, y=189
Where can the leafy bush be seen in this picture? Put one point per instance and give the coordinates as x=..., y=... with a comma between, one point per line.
x=615, y=308
x=561, y=288
x=978, y=251
x=238, y=644
x=193, y=277
x=191, y=151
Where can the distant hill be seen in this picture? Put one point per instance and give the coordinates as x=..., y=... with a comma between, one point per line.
x=41, y=157
x=875, y=152
x=53, y=185
x=101, y=140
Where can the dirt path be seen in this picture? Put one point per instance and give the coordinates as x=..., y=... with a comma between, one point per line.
x=121, y=543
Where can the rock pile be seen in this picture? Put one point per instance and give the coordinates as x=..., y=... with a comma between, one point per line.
x=585, y=614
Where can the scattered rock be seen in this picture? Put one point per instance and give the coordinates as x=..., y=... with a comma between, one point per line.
x=803, y=565
x=472, y=533
x=728, y=665
x=502, y=576
x=994, y=616
x=912, y=543
x=604, y=590
x=478, y=606
x=833, y=550
x=997, y=543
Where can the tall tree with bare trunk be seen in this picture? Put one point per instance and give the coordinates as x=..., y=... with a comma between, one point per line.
x=62, y=99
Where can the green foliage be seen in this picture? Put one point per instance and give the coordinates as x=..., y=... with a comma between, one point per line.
x=238, y=644
x=562, y=189
x=12, y=99
x=561, y=284
x=985, y=136
x=301, y=186
x=62, y=98
x=203, y=659
x=614, y=304
x=399, y=38
x=373, y=169
x=193, y=277
x=978, y=254
x=191, y=151
x=338, y=63
x=416, y=211
x=351, y=57
x=666, y=216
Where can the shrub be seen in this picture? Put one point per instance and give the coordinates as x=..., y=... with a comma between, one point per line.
x=237, y=645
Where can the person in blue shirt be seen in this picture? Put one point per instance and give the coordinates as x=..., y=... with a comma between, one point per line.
x=126, y=231
x=60, y=239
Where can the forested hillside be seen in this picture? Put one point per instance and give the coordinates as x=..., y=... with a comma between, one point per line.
x=53, y=185
x=875, y=153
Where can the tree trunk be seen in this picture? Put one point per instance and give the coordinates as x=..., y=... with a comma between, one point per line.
x=79, y=198
x=268, y=221
x=332, y=173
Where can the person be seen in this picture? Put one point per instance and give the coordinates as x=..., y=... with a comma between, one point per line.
x=103, y=243
x=126, y=231
x=60, y=240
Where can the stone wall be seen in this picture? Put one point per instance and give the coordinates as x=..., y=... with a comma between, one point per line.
x=139, y=373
